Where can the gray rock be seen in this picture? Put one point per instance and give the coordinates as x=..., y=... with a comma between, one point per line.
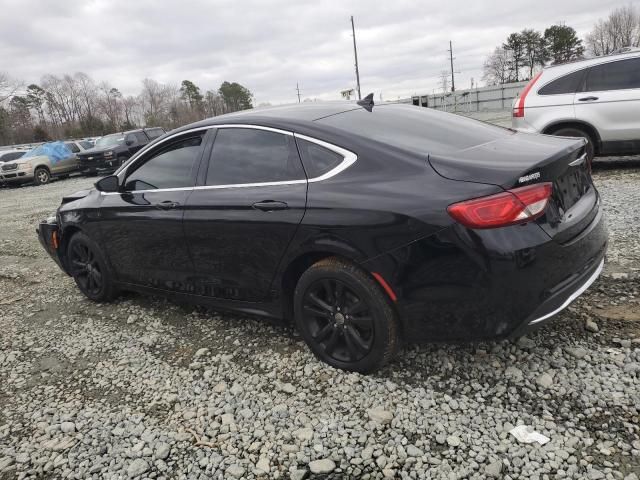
x=591, y=326
x=413, y=451
x=453, y=441
x=68, y=427
x=201, y=352
x=494, y=469
x=263, y=465
x=235, y=471
x=137, y=468
x=544, y=380
x=298, y=474
x=380, y=415
x=577, y=352
x=163, y=450
x=325, y=465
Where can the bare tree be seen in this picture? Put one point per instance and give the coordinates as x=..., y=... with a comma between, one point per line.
x=8, y=86
x=620, y=29
x=496, y=67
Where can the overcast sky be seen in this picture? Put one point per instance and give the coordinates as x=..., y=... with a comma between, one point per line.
x=269, y=45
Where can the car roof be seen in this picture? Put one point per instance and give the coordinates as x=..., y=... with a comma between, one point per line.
x=561, y=69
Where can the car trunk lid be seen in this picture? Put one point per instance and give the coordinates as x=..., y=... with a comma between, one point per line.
x=524, y=159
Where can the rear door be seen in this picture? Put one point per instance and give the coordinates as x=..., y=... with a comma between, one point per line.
x=69, y=163
x=240, y=219
x=142, y=224
x=610, y=100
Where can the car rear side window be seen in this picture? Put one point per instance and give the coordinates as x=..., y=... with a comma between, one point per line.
x=618, y=75
x=169, y=166
x=247, y=155
x=567, y=84
x=317, y=160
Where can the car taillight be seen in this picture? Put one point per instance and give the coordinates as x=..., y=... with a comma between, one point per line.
x=518, y=109
x=517, y=205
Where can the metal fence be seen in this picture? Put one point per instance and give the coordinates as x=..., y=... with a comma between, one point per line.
x=497, y=97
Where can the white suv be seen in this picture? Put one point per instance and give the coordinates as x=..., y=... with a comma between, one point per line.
x=598, y=99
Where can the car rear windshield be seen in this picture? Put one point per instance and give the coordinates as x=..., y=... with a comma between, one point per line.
x=416, y=129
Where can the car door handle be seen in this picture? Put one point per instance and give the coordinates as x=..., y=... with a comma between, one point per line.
x=167, y=205
x=270, y=205
x=587, y=99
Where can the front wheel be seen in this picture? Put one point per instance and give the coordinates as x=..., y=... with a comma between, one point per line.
x=88, y=267
x=41, y=176
x=345, y=317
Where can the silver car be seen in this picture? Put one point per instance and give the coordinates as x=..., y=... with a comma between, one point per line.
x=598, y=99
x=39, y=167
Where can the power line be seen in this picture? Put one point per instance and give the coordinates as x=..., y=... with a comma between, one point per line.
x=355, y=54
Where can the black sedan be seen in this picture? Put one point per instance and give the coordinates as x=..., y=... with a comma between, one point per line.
x=366, y=225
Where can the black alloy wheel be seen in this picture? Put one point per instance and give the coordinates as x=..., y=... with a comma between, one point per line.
x=345, y=317
x=338, y=320
x=88, y=268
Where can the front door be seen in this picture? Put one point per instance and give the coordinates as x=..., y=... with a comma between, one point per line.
x=142, y=224
x=240, y=219
x=611, y=100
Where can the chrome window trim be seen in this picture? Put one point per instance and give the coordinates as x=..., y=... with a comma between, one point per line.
x=348, y=156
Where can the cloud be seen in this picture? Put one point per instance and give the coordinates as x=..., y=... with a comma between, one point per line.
x=269, y=45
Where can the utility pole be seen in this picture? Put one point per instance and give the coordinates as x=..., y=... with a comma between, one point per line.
x=355, y=54
x=453, y=82
x=298, y=89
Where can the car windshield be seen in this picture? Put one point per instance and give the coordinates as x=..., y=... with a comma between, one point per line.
x=110, y=140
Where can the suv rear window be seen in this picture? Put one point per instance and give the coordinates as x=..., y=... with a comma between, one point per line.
x=619, y=75
x=567, y=84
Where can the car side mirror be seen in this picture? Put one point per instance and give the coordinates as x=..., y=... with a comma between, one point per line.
x=128, y=143
x=108, y=184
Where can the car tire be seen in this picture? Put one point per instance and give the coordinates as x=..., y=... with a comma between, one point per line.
x=89, y=269
x=578, y=132
x=122, y=160
x=41, y=176
x=345, y=317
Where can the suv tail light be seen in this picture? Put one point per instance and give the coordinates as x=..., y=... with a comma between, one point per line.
x=517, y=205
x=518, y=109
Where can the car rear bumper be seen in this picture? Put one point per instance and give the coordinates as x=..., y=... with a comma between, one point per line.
x=565, y=297
x=489, y=284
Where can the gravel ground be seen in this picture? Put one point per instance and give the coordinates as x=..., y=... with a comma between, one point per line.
x=145, y=388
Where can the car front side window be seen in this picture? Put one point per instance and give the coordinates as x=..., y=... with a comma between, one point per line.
x=170, y=165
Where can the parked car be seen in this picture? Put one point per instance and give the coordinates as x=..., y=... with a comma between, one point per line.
x=366, y=225
x=7, y=155
x=39, y=165
x=113, y=150
x=596, y=99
